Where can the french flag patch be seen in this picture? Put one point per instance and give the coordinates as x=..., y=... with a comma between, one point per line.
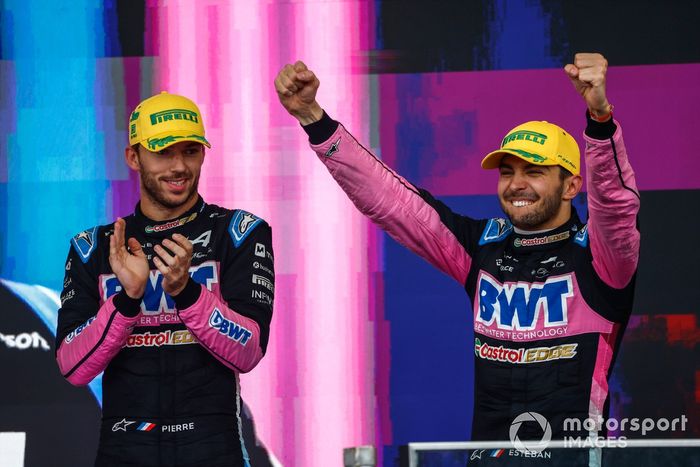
x=497, y=452
x=146, y=426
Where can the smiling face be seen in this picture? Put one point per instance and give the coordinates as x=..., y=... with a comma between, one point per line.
x=535, y=197
x=169, y=178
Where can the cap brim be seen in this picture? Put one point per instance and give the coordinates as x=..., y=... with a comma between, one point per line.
x=164, y=140
x=493, y=159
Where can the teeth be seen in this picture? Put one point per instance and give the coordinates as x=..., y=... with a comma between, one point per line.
x=177, y=182
x=519, y=204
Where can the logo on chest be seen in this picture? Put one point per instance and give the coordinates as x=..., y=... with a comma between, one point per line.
x=522, y=305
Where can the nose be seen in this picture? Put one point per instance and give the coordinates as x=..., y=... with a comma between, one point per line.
x=177, y=161
x=518, y=181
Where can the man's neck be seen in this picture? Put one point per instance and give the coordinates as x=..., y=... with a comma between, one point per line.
x=157, y=212
x=554, y=223
x=531, y=232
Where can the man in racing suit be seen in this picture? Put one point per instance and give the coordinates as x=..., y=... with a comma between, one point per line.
x=550, y=294
x=174, y=314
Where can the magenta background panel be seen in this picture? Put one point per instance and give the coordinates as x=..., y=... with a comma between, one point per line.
x=436, y=127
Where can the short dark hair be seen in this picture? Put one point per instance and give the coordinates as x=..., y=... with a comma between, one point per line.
x=136, y=147
x=564, y=174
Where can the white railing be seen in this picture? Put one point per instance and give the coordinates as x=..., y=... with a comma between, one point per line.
x=415, y=448
x=12, y=449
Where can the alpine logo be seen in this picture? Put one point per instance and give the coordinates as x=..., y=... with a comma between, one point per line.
x=232, y=330
x=518, y=306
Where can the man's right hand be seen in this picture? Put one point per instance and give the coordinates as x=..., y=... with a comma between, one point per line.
x=130, y=267
x=296, y=88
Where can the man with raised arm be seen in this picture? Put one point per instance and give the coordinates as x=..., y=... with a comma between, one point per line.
x=550, y=295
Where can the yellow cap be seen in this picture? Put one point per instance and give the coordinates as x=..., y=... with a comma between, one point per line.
x=165, y=119
x=540, y=143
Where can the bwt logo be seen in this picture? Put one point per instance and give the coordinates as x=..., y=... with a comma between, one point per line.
x=518, y=305
x=73, y=334
x=228, y=328
x=155, y=300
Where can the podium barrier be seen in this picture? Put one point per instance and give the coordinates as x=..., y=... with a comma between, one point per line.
x=12, y=449
x=613, y=452
x=360, y=456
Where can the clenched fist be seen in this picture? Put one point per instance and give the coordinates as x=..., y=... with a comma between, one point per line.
x=587, y=74
x=296, y=88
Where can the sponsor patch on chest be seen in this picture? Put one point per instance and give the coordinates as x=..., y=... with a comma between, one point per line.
x=523, y=355
x=523, y=306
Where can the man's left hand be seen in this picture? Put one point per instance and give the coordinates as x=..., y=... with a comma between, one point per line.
x=587, y=74
x=174, y=263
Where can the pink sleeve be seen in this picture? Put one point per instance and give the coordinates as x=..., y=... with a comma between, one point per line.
x=87, y=350
x=613, y=204
x=229, y=336
x=392, y=203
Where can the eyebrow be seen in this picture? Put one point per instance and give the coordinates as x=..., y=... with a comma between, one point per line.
x=527, y=166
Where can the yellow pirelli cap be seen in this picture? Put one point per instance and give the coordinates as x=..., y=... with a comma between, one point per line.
x=540, y=143
x=165, y=119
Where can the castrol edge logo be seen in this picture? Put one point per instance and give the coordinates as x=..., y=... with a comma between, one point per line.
x=522, y=355
x=147, y=339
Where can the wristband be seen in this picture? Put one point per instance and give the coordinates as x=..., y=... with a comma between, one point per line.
x=601, y=118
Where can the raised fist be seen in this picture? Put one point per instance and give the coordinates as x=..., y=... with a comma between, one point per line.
x=587, y=74
x=296, y=88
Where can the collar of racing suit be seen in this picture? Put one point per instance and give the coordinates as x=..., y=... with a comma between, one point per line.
x=546, y=240
x=165, y=228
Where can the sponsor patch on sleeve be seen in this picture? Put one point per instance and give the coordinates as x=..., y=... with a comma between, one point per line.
x=228, y=328
x=241, y=225
x=581, y=237
x=74, y=333
x=495, y=231
x=85, y=243
x=333, y=149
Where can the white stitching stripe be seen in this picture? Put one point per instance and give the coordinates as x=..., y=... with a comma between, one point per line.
x=244, y=451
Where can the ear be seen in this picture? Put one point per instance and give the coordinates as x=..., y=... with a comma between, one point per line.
x=572, y=186
x=132, y=158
